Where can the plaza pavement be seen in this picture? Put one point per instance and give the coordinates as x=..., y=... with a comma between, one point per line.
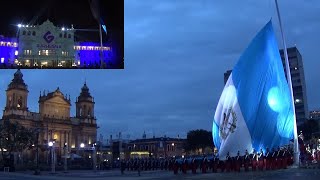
x=291, y=173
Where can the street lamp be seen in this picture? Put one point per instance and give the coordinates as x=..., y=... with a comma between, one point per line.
x=53, y=166
x=82, y=145
x=37, y=171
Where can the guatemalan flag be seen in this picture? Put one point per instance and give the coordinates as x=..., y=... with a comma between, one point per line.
x=255, y=109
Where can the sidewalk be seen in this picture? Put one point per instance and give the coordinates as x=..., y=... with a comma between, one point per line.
x=84, y=174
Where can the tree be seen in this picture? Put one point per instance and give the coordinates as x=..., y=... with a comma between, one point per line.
x=308, y=128
x=14, y=138
x=199, y=139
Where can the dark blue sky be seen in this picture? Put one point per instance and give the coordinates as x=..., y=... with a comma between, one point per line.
x=175, y=55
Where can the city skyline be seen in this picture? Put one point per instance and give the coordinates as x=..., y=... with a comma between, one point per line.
x=176, y=55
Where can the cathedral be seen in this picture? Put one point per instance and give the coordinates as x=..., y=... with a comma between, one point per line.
x=53, y=121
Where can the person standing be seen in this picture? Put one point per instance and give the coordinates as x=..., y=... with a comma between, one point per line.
x=194, y=166
x=228, y=162
x=139, y=166
x=204, y=165
x=261, y=160
x=175, y=167
x=238, y=162
x=268, y=160
x=254, y=160
x=246, y=161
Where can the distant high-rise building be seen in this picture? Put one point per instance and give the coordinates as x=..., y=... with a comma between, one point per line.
x=315, y=115
x=298, y=82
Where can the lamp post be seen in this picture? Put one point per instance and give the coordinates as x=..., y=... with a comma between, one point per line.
x=81, y=148
x=94, y=157
x=37, y=171
x=51, y=145
x=65, y=165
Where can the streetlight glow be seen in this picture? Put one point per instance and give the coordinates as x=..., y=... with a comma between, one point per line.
x=63, y=29
x=50, y=143
x=82, y=145
x=19, y=25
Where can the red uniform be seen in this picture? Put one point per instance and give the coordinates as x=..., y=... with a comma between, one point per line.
x=246, y=162
x=175, y=168
x=268, y=160
x=184, y=167
x=228, y=163
x=238, y=163
x=194, y=166
x=254, y=162
x=204, y=165
x=261, y=161
x=273, y=160
x=215, y=164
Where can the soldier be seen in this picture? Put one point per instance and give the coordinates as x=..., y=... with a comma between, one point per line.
x=184, y=166
x=175, y=167
x=193, y=166
x=215, y=163
x=254, y=160
x=268, y=160
x=284, y=159
x=139, y=166
x=261, y=159
x=273, y=159
x=246, y=161
x=238, y=162
x=228, y=162
x=204, y=165
x=279, y=159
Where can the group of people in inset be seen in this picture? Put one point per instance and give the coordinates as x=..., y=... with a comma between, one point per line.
x=270, y=160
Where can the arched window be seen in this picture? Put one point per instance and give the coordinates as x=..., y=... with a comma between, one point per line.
x=84, y=109
x=89, y=112
x=69, y=36
x=60, y=35
x=10, y=101
x=65, y=35
x=33, y=33
x=19, y=105
x=80, y=111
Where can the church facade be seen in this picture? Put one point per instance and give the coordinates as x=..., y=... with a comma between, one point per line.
x=53, y=121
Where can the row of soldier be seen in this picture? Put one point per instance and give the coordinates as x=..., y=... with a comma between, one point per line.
x=276, y=159
x=147, y=164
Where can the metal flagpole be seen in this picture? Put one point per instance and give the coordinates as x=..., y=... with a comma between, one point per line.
x=101, y=48
x=296, y=145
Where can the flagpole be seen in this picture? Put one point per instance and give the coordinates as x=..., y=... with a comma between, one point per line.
x=101, y=47
x=296, y=145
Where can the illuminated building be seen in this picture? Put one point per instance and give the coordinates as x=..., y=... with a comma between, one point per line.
x=53, y=119
x=46, y=45
x=160, y=147
x=314, y=115
x=298, y=82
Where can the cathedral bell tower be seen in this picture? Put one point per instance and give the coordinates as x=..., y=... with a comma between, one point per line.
x=85, y=106
x=17, y=96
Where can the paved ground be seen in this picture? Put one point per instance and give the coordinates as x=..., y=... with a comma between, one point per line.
x=292, y=173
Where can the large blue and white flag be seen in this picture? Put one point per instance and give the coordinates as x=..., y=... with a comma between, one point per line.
x=255, y=109
x=95, y=6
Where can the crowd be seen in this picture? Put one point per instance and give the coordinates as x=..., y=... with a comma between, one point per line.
x=270, y=160
x=256, y=161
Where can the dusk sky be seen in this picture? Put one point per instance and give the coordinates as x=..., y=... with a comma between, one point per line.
x=175, y=55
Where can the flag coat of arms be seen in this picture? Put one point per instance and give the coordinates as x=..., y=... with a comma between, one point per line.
x=255, y=109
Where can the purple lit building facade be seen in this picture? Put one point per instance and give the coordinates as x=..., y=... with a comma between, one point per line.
x=46, y=45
